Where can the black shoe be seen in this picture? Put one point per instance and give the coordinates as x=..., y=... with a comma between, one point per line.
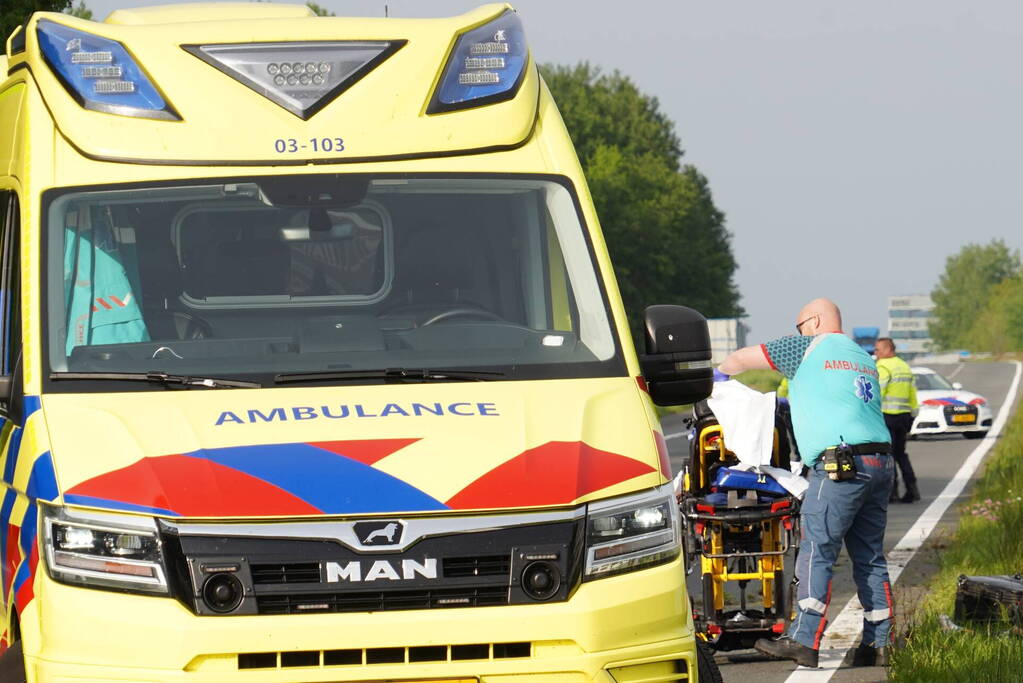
x=868, y=655
x=912, y=494
x=786, y=648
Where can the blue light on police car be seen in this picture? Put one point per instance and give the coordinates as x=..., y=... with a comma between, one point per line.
x=100, y=73
x=487, y=65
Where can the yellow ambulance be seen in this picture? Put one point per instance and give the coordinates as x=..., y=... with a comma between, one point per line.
x=313, y=363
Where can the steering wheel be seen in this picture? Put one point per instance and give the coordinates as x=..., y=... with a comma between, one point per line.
x=461, y=312
x=190, y=327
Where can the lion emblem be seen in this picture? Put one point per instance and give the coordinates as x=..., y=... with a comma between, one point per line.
x=388, y=531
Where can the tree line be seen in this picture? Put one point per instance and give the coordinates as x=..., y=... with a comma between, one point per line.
x=667, y=239
x=978, y=302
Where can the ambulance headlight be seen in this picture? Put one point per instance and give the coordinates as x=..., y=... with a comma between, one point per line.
x=631, y=533
x=487, y=65
x=100, y=74
x=103, y=551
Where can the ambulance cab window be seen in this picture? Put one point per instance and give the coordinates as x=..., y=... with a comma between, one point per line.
x=240, y=280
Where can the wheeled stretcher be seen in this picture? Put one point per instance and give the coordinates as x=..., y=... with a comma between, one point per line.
x=741, y=525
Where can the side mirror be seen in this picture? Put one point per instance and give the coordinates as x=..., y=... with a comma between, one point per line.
x=957, y=385
x=676, y=365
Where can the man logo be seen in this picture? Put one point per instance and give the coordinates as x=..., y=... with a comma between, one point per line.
x=379, y=533
x=381, y=570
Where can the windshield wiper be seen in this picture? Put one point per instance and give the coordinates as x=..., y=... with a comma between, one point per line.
x=155, y=377
x=392, y=375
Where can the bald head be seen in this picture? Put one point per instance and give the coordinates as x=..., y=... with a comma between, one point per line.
x=818, y=317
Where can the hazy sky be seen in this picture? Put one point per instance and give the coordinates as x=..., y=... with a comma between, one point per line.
x=852, y=145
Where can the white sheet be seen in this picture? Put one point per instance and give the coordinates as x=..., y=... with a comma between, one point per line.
x=747, y=418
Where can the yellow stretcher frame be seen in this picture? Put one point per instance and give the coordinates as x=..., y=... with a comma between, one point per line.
x=708, y=533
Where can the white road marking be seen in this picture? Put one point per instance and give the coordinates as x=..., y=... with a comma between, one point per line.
x=844, y=632
x=956, y=371
x=675, y=435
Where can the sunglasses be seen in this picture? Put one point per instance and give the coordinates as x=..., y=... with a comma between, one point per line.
x=799, y=326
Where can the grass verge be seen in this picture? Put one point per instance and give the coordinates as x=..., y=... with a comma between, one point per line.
x=988, y=540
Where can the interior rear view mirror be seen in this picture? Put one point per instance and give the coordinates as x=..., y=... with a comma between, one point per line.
x=322, y=225
x=335, y=190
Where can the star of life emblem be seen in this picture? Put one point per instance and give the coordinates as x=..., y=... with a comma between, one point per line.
x=864, y=390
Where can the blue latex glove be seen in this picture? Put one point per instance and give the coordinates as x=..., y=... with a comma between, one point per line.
x=720, y=376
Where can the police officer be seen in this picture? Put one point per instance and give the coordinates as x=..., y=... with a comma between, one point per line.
x=898, y=403
x=836, y=416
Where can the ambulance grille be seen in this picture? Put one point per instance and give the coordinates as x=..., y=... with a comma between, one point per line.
x=309, y=572
x=379, y=601
x=298, y=572
x=267, y=574
x=489, y=565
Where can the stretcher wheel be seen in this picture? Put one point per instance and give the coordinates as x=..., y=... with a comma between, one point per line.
x=706, y=668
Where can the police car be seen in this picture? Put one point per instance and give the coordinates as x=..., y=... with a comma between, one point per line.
x=947, y=408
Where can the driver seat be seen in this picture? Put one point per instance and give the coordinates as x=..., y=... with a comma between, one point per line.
x=437, y=268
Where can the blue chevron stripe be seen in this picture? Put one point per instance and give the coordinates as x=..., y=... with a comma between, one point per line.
x=328, y=481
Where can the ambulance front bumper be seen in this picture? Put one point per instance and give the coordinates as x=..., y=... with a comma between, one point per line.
x=636, y=624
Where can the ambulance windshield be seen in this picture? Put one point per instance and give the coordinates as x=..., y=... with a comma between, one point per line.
x=253, y=278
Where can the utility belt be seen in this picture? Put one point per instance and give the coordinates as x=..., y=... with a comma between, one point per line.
x=839, y=463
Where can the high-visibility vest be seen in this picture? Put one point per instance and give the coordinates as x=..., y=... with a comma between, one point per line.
x=898, y=391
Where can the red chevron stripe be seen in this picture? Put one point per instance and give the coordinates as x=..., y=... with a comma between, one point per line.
x=662, y=454
x=12, y=556
x=555, y=473
x=193, y=487
x=27, y=591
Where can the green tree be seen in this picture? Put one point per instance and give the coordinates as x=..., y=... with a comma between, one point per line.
x=80, y=11
x=15, y=12
x=609, y=110
x=320, y=11
x=999, y=324
x=965, y=287
x=667, y=239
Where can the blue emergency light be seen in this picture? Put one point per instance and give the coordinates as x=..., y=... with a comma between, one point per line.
x=100, y=74
x=487, y=65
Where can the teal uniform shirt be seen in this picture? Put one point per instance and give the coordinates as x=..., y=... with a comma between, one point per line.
x=834, y=393
x=100, y=292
